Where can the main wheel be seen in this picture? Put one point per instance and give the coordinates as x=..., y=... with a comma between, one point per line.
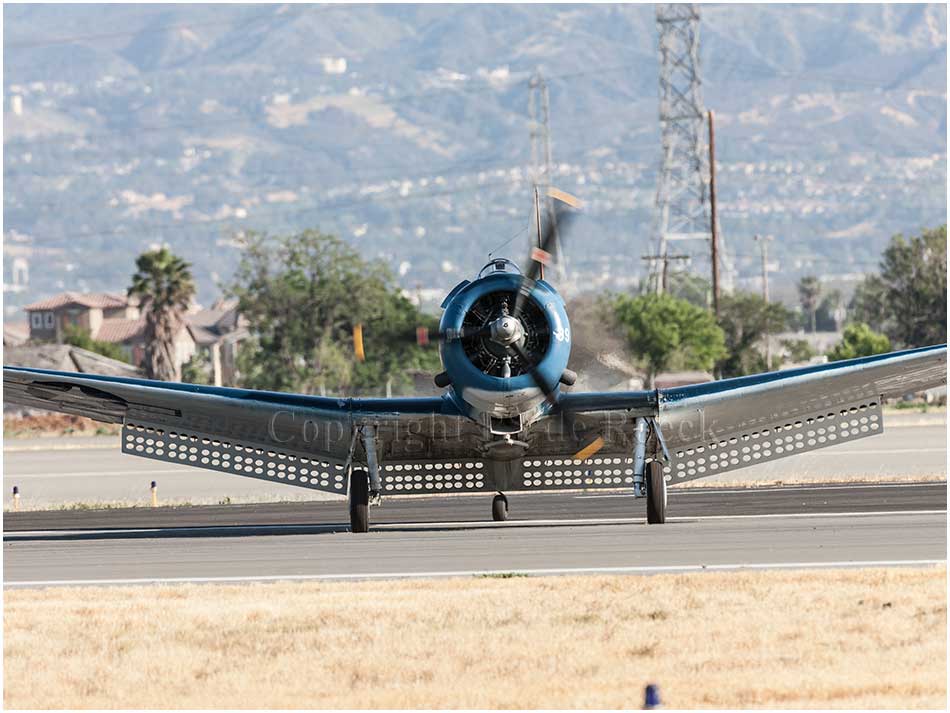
x=359, y=501
x=656, y=493
x=499, y=508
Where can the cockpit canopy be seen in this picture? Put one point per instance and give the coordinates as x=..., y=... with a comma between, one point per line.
x=499, y=264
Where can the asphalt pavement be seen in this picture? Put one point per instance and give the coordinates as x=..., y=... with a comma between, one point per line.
x=709, y=529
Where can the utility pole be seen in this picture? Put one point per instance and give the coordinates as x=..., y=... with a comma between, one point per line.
x=764, y=247
x=664, y=260
x=539, y=112
x=713, y=223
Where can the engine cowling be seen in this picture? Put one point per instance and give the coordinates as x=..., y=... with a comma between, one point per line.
x=485, y=376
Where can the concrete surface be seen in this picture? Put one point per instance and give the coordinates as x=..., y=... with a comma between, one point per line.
x=554, y=533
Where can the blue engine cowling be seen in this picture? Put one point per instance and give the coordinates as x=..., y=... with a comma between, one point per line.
x=476, y=386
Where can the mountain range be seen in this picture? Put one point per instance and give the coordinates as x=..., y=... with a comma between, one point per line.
x=405, y=130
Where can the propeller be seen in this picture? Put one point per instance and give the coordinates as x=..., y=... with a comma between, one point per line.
x=544, y=254
x=507, y=330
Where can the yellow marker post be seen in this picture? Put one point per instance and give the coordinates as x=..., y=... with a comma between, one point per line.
x=358, y=342
x=590, y=449
x=16, y=499
x=154, y=489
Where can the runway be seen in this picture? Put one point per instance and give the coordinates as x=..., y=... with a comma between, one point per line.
x=850, y=525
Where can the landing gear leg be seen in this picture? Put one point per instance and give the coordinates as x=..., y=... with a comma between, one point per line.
x=359, y=500
x=656, y=494
x=499, y=508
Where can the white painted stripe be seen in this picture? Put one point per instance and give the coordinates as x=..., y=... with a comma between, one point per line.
x=857, y=450
x=643, y=569
x=210, y=529
x=102, y=474
x=753, y=489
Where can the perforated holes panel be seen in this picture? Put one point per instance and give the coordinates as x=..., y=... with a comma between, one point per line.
x=231, y=457
x=566, y=473
x=809, y=433
x=417, y=477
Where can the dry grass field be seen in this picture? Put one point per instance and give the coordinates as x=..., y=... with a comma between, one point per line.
x=786, y=639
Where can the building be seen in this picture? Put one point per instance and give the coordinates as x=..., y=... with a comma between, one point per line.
x=217, y=333
x=51, y=318
x=106, y=317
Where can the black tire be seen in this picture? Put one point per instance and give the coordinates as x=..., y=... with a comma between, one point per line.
x=656, y=494
x=359, y=501
x=499, y=508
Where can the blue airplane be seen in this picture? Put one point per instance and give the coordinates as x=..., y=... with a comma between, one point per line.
x=504, y=423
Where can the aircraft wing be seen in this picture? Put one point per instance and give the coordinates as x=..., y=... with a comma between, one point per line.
x=301, y=440
x=724, y=425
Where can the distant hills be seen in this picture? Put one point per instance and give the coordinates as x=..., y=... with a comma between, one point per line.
x=404, y=129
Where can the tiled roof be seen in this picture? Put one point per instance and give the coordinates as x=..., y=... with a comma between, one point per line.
x=119, y=329
x=102, y=300
x=202, y=336
x=221, y=318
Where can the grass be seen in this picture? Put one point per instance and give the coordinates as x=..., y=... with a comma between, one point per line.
x=873, y=638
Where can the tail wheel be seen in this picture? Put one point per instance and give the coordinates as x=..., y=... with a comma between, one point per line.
x=359, y=501
x=499, y=508
x=656, y=493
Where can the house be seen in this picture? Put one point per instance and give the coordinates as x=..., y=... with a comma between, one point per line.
x=217, y=332
x=49, y=319
x=107, y=317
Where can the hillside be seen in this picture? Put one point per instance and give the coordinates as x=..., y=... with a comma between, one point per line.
x=405, y=130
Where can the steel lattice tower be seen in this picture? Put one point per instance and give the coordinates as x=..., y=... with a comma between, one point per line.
x=682, y=194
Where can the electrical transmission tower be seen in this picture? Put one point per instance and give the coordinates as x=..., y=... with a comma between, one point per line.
x=539, y=110
x=682, y=193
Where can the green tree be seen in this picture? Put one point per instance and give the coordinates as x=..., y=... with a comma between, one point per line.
x=302, y=295
x=869, y=304
x=164, y=285
x=660, y=328
x=809, y=291
x=746, y=319
x=197, y=370
x=692, y=288
x=859, y=340
x=79, y=337
x=914, y=277
x=798, y=350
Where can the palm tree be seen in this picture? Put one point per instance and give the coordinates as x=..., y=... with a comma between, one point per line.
x=809, y=290
x=164, y=286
